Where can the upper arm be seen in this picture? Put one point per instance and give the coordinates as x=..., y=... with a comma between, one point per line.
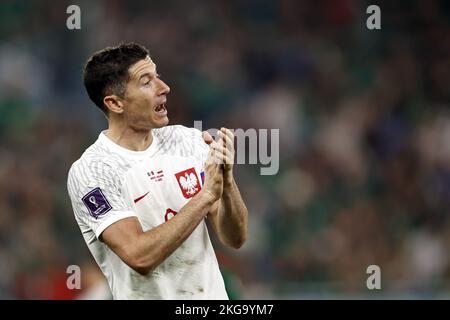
x=121, y=237
x=99, y=204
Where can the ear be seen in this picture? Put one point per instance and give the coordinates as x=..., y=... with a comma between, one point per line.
x=113, y=103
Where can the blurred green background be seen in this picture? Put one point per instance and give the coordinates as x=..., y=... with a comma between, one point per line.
x=364, y=137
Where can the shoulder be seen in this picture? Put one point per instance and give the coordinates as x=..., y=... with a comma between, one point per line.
x=177, y=132
x=179, y=138
x=97, y=162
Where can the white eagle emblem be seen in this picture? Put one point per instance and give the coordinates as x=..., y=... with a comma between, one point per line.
x=189, y=183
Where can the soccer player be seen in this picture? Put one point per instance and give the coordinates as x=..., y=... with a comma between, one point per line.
x=138, y=193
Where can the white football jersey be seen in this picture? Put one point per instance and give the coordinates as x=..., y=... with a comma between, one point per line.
x=109, y=183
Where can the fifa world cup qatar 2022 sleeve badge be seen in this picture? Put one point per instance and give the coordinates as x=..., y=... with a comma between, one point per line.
x=96, y=203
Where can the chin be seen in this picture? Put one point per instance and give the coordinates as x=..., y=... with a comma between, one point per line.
x=161, y=122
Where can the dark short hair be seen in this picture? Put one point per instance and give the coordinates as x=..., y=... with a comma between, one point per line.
x=106, y=71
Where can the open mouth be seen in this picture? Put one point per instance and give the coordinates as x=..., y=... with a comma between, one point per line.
x=161, y=110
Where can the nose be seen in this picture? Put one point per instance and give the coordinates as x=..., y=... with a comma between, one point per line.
x=165, y=89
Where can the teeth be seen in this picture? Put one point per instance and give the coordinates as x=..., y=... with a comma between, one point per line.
x=160, y=107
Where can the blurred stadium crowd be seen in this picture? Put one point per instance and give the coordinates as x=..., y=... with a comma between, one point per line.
x=364, y=137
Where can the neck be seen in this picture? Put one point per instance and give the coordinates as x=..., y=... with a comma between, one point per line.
x=129, y=138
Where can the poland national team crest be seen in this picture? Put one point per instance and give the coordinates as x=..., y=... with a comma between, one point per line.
x=188, y=182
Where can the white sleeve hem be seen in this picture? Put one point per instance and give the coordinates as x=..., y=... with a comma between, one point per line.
x=118, y=215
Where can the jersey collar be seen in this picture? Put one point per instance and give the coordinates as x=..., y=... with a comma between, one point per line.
x=127, y=152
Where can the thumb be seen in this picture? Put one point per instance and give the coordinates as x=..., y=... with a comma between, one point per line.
x=207, y=137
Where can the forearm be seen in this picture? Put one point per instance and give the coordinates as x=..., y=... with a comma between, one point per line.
x=232, y=215
x=154, y=246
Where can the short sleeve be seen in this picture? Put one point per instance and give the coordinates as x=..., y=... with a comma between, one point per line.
x=97, y=196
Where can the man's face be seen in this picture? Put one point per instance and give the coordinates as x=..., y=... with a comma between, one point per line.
x=145, y=97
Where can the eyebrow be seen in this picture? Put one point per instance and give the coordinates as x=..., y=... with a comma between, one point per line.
x=147, y=74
